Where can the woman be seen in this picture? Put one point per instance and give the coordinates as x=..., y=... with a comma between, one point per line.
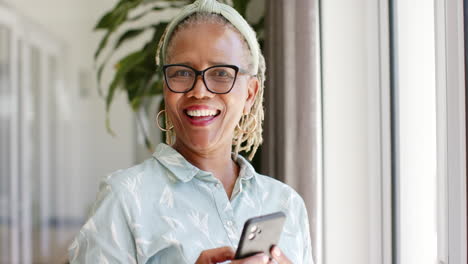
x=188, y=203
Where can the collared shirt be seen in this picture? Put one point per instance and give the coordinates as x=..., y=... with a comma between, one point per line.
x=165, y=210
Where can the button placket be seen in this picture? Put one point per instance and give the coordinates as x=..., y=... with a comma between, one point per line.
x=225, y=211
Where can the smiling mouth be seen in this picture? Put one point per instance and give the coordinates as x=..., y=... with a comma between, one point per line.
x=202, y=115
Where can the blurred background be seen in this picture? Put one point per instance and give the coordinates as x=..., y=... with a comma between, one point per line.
x=365, y=117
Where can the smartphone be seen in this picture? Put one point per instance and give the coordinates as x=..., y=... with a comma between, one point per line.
x=260, y=234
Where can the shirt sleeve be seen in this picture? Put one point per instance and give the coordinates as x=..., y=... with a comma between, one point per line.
x=304, y=223
x=106, y=236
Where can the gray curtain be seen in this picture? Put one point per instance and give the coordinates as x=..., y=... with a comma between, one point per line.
x=292, y=150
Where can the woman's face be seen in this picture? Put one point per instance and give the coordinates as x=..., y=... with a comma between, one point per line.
x=201, y=46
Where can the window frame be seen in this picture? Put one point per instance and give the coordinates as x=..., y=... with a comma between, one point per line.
x=24, y=36
x=451, y=110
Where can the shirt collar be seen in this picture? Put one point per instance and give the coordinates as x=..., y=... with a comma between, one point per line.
x=246, y=171
x=175, y=163
x=184, y=171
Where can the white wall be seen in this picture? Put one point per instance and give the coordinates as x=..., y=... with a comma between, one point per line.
x=354, y=72
x=416, y=129
x=346, y=177
x=92, y=151
x=356, y=130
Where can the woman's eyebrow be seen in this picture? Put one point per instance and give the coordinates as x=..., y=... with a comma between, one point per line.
x=184, y=63
x=210, y=63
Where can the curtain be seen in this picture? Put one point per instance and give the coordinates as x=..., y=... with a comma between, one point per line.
x=292, y=150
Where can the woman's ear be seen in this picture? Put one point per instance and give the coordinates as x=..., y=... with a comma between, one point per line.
x=252, y=90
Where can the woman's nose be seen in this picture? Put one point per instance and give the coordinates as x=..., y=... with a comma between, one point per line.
x=200, y=90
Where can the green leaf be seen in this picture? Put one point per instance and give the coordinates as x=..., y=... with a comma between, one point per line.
x=108, y=125
x=148, y=144
x=135, y=84
x=156, y=88
x=109, y=18
x=170, y=2
x=99, y=77
x=126, y=36
x=102, y=45
x=104, y=41
x=158, y=33
x=260, y=25
x=151, y=1
x=124, y=66
x=130, y=34
x=136, y=103
x=143, y=14
x=113, y=19
x=241, y=6
x=106, y=21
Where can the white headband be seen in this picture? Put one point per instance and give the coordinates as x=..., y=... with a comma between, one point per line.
x=213, y=6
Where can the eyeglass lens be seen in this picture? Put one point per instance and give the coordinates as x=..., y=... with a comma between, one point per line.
x=218, y=79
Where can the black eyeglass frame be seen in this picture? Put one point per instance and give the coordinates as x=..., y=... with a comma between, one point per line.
x=202, y=74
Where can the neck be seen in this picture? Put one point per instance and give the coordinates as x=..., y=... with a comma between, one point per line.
x=218, y=161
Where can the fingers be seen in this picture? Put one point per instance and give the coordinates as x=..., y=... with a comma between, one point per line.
x=215, y=255
x=222, y=254
x=256, y=259
x=278, y=256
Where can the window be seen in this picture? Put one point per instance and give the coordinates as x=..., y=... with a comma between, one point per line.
x=31, y=70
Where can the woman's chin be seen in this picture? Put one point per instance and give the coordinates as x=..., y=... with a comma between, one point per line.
x=194, y=140
x=202, y=143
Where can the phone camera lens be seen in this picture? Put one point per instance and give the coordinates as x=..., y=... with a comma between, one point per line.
x=253, y=228
x=251, y=236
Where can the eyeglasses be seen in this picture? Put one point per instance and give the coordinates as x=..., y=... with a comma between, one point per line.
x=218, y=79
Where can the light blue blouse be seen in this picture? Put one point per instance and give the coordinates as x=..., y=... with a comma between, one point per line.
x=165, y=210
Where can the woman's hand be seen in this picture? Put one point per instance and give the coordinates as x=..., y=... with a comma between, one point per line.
x=218, y=255
x=215, y=255
x=278, y=256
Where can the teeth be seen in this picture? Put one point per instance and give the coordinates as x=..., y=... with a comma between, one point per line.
x=204, y=112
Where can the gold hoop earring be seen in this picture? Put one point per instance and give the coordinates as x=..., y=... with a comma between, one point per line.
x=157, y=122
x=253, y=129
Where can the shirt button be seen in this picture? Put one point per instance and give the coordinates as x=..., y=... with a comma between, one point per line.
x=229, y=223
x=217, y=185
